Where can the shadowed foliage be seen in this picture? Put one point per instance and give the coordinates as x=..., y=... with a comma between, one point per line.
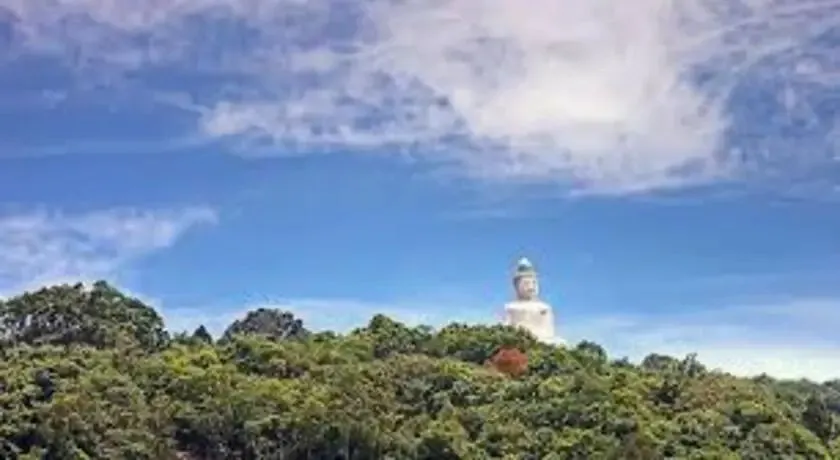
x=269, y=322
x=96, y=315
x=90, y=373
x=201, y=334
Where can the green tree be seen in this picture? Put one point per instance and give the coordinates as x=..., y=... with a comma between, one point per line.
x=268, y=322
x=87, y=373
x=817, y=418
x=97, y=315
x=201, y=335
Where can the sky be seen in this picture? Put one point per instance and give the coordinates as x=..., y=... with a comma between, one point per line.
x=670, y=167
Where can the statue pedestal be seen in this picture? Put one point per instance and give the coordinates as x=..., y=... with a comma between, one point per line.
x=532, y=315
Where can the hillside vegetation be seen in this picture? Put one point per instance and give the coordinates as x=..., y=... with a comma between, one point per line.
x=89, y=373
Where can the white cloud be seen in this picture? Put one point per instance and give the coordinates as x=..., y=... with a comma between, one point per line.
x=788, y=340
x=791, y=339
x=609, y=95
x=42, y=247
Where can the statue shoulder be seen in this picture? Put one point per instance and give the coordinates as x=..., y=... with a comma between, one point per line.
x=529, y=305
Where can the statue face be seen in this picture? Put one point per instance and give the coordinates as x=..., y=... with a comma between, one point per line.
x=527, y=288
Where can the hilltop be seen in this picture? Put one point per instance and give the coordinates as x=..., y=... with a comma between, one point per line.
x=88, y=372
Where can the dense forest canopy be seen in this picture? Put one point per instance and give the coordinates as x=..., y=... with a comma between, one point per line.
x=87, y=372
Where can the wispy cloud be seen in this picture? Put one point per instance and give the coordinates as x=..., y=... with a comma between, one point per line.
x=605, y=95
x=789, y=340
x=41, y=247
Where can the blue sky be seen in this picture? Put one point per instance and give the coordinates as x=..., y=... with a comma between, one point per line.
x=671, y=169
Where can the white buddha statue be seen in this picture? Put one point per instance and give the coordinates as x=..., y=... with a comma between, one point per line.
x=527, y=311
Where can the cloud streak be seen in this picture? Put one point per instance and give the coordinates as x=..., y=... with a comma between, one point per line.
x=792, y=339
x=43, y=247
x=605, y=96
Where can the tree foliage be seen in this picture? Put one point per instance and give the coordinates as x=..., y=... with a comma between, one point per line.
x=97, y=315
x=90, y=373
x=269, y=322
x=202, y=334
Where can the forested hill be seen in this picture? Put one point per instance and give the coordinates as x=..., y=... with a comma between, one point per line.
x=88, y=373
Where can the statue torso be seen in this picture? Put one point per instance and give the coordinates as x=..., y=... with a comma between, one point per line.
x=532, y=315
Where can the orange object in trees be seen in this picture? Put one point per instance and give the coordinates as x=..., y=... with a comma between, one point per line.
x=510, y=361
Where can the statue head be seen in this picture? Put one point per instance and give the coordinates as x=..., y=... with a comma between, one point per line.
x=525, y=281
